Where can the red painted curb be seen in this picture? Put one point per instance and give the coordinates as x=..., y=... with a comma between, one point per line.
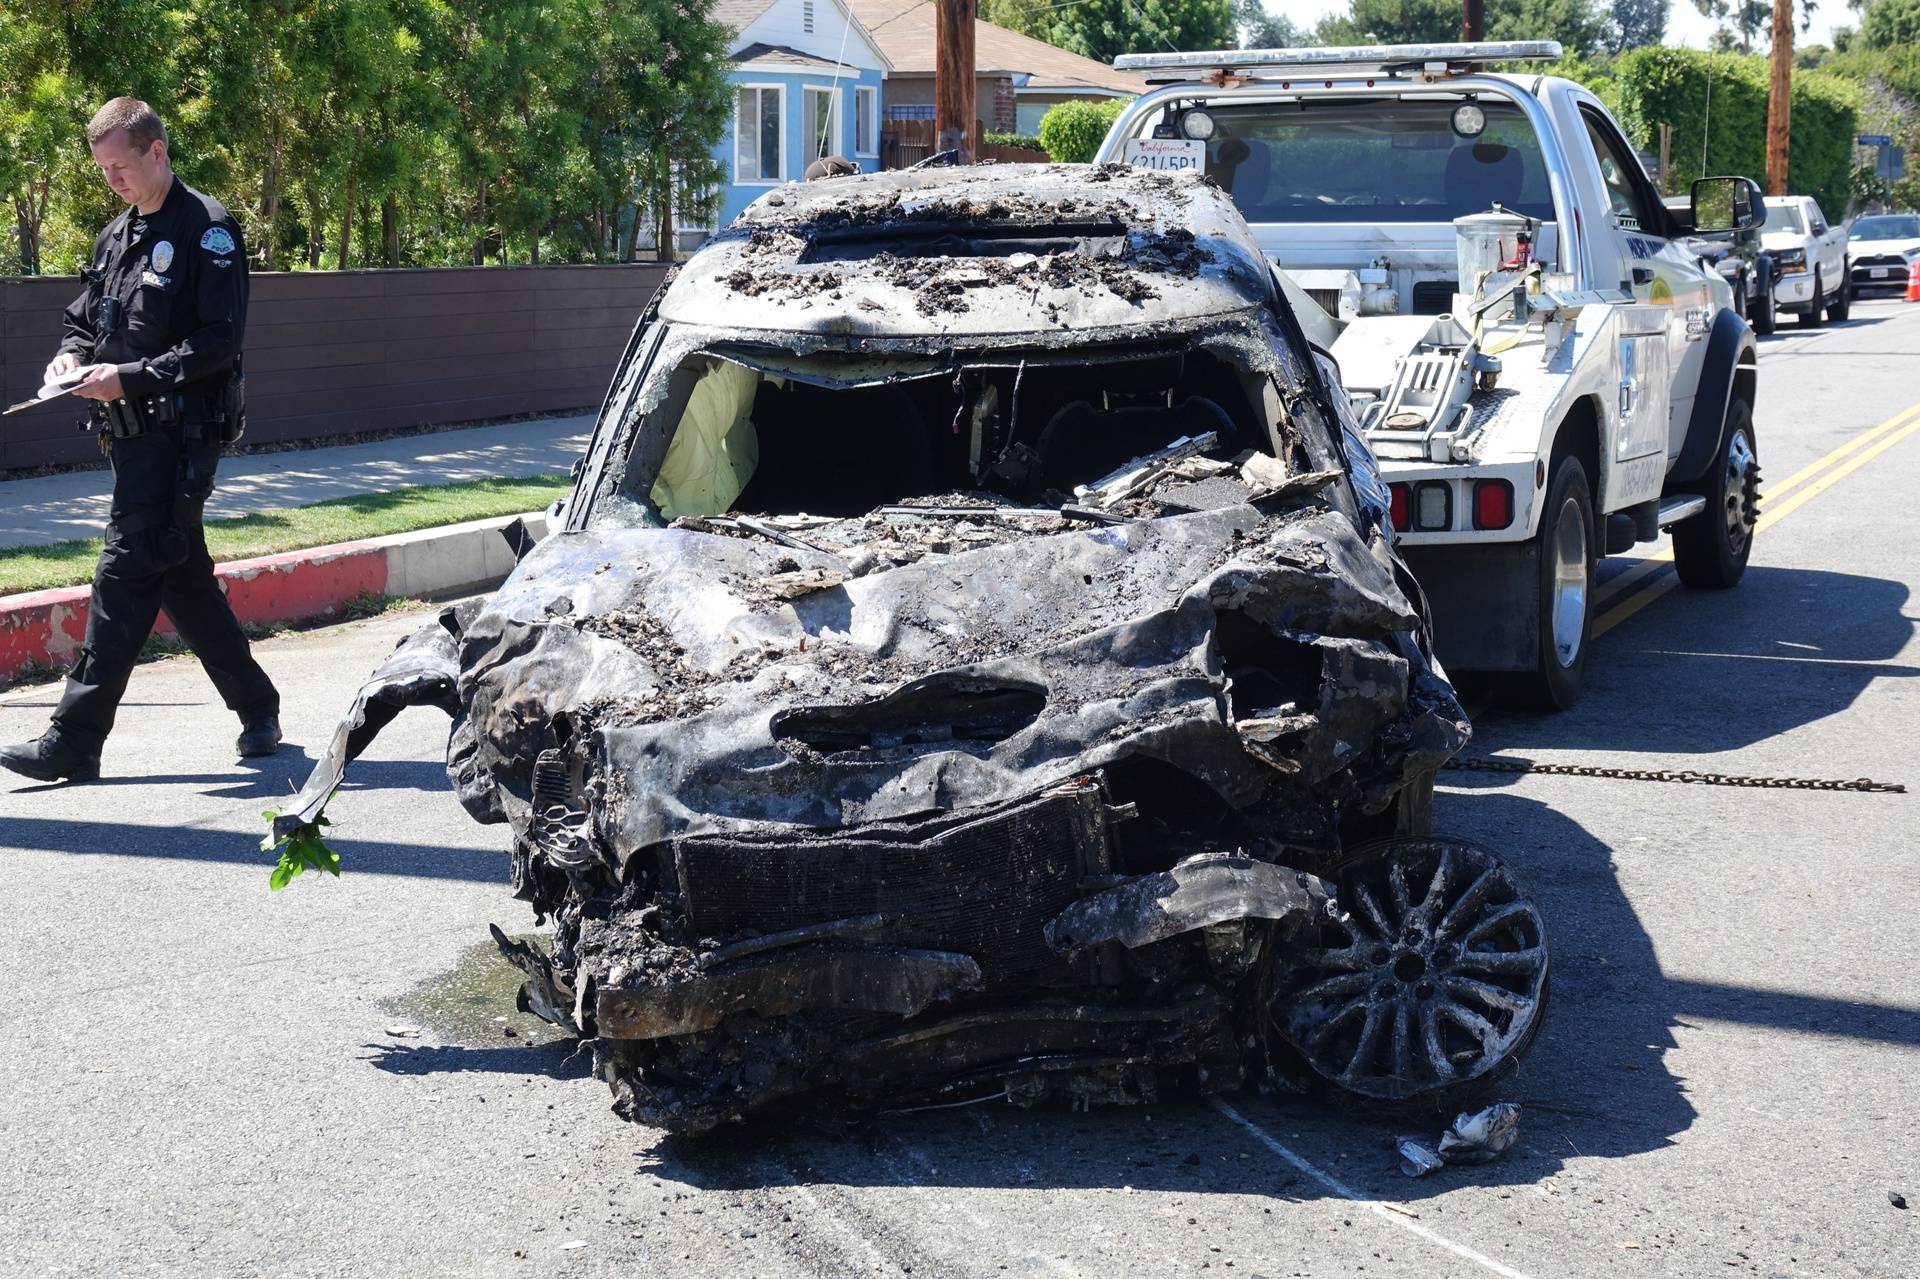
x=48, y=627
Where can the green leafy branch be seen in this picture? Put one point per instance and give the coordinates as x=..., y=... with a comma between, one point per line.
x=299, y=848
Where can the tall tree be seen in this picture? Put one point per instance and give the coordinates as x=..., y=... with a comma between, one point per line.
x=1105, y=29
x=1260, y=28
x=1639, y=22
x=1891, y=24
x=1393, y=22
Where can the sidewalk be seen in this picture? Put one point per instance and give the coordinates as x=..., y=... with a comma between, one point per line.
x=43, y=630
x=62, y=508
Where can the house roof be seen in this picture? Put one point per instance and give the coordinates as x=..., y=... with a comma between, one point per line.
x=780, y=56
x=739, y=13
x=904, y=31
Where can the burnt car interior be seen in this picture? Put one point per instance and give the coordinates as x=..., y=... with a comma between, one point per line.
x=777, y=435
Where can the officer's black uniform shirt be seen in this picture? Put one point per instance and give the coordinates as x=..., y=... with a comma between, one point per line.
x=180, y=274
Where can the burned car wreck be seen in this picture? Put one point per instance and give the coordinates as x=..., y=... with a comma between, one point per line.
x=973, y=663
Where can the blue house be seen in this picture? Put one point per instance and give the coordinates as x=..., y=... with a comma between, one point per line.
x=807, y=83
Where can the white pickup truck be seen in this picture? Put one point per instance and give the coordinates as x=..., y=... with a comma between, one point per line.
x=1544, y=370
x=1810, y=257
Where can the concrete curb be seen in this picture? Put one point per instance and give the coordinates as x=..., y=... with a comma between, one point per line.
x=47, y=628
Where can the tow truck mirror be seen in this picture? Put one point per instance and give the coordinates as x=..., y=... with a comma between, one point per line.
x=1725, y=204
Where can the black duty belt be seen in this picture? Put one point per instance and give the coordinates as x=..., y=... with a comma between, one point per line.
x=129, y=417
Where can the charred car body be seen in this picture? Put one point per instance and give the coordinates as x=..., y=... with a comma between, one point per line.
x=973, y=662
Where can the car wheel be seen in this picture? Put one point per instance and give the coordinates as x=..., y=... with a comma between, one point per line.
x=1811, y=317
x=1428, y=987
x=1740, y=298
x=1762, y=307
x=1841, y=304
x=1710, y=549
x=1565, y=549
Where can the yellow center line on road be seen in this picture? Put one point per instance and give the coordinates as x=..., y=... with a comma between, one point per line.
x=1907, y=424
x=1653, y=563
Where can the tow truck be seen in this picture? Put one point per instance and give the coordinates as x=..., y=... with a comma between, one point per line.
x=1544, y=370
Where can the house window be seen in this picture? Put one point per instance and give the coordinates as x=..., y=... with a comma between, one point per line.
x=822, y=116
x=757, y=152
x=806, y=16
x=910, y=111
x=866, y=112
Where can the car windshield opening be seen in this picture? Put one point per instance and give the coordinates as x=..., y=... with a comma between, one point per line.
x=1887, y=228
x=1375, y=160
x=757, y=435
x=1784, y=217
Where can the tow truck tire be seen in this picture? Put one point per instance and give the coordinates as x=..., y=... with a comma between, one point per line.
x=1815, y=313
x=1710, y=550
x=1841, y=304
x=1566, y=546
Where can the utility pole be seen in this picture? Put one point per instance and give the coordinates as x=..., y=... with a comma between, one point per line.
x=953, y=110
x=1473, y=19
x=1780, y=99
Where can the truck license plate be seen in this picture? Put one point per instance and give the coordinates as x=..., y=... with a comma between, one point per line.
x=1168, y=155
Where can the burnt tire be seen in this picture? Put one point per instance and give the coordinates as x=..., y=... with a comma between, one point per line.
x=1428, y=990
x=1566, y=552
x=1711, y=549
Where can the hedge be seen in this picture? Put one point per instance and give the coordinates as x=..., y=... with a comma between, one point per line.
x=1071, y=132
x=1662, y=85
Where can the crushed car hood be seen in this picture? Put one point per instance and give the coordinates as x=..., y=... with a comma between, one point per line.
x=955, y=681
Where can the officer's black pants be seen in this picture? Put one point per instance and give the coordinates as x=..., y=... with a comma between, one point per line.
x=156, y=558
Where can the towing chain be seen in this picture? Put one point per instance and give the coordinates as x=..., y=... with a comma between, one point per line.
x=1683, y=776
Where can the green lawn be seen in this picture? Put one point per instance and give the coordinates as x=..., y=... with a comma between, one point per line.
x=340, y=519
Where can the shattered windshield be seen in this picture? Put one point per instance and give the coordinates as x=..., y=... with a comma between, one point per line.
x=1374, y=160
x=745, y=431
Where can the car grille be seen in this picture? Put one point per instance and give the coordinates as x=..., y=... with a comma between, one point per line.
x=1893, y=264
x=984, y=887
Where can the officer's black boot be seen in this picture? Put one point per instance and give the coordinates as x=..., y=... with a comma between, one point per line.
x=50, y=758
x=259, y=736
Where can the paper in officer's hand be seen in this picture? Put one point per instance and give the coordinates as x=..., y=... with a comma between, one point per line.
x=54, y=388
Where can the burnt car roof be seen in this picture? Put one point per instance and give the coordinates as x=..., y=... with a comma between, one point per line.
x=1012, y=249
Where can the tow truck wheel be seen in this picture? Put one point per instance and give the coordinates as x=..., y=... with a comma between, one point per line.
x=1841, y=305
x=1429, y=987
x=1566, y=551
x=1817, y=311
x=1710, y=550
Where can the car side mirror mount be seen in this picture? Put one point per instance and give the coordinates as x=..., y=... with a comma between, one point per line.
x=1726, y=204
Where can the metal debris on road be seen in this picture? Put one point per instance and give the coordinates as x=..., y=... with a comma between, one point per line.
x=1477, y=1138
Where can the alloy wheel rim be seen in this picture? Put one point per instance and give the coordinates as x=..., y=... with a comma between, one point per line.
x=1434, y=975
x=1569, y=583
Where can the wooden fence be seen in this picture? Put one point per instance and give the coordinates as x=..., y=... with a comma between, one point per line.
x=904, y=143
x=337, y=352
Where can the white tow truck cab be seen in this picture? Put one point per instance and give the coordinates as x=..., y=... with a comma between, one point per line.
x=1544, y=369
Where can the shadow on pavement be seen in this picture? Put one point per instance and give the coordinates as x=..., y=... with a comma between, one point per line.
x=110, y=838
x=1786, y=647
x=561, y=1059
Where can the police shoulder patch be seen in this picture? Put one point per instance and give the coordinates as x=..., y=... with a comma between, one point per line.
x=217, y=240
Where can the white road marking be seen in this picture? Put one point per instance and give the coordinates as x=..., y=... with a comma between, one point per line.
x=1345, y=1191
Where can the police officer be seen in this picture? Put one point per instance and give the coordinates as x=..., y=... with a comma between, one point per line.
x=157, y=333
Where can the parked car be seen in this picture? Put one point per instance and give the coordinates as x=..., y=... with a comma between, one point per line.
x=1812, y=257
x=974, y=663
x=1545, y=370
x=1747, y=268
x=1883, y=249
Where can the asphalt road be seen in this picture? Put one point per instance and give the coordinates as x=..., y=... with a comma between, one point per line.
x=203, y=1077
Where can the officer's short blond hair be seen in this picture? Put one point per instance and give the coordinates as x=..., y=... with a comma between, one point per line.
x=141, y=122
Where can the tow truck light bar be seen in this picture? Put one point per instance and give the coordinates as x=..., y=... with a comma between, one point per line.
x=1380, y=59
